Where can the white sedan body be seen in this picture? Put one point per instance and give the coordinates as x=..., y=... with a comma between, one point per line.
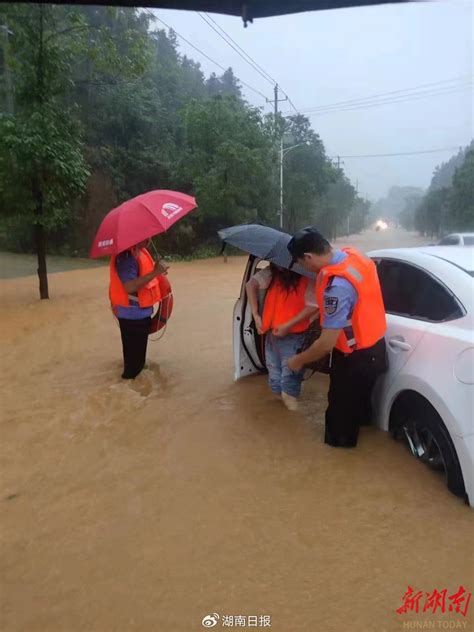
x=457, y=239
x=429, y=299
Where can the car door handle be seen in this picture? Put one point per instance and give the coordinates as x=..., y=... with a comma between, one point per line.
x=399, y=344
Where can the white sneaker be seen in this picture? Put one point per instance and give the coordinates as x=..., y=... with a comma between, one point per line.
x=290, y=402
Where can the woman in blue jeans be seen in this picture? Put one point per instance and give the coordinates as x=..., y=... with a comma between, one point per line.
x=288, y=310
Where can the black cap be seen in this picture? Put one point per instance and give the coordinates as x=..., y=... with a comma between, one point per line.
x=307, y=239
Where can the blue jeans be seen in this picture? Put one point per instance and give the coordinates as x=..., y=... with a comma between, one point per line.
x=277, y=352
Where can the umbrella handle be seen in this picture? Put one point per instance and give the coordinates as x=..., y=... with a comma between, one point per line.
x=155, y=250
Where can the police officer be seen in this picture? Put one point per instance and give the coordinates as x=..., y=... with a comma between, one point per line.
x=352, y=317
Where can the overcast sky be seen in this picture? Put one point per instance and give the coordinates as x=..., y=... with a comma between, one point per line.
x=326, y=57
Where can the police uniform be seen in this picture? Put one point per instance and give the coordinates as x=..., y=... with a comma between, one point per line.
x=360, y=355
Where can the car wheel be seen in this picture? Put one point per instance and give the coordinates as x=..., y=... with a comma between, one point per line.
x=418, y=424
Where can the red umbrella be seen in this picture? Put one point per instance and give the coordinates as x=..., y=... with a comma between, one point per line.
x=138, y=219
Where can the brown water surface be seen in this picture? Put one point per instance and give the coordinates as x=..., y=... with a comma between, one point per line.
x=147, y=505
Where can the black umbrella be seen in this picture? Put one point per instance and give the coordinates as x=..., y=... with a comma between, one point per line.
x=262, y=242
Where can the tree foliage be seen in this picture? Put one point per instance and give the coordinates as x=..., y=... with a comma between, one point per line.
x=431, y=212
x=449, y=202
x=391, y=206
x=105, y=107
x=461, y=199
x=42, y=167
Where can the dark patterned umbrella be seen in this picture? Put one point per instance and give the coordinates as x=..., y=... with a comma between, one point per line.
x=262, y=242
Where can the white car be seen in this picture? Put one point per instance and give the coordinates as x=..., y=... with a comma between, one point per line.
x=457, y=239
x=427, y=396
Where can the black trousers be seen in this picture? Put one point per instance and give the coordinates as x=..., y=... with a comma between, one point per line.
x=134, y=342
x=349, y=399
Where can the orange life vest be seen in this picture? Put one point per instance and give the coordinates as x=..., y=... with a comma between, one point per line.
x=282, y=305
x=147, y=296
x=367, y=324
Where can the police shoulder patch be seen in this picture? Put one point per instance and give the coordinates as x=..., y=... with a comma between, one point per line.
x=330, y=304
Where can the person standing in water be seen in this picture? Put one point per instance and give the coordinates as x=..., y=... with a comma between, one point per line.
x=133, y=291
x=288, y=310
x=353, y=328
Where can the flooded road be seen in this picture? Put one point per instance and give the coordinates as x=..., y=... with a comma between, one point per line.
x=148, y=505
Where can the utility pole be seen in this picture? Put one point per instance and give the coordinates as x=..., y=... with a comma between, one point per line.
x=336, y=161
x=275, y=102
x=281, y=181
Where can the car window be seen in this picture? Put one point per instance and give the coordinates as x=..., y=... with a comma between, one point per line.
x=449, y=241
x=469, y=240
x=409, y=291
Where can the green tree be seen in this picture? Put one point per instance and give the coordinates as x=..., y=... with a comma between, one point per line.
x=444, y=173
x=408, y=214
x=63, y=61
x=227, y=163
x=394, y=203
x=461, y=199
x=431, y=213
x=42, y=168
x=307, y=172
x=336, y=206
x=120, y=101
x=227, y=85
x=449, y=202
x=359, y=214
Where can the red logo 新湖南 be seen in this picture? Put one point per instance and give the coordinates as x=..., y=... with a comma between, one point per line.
x=437, y=601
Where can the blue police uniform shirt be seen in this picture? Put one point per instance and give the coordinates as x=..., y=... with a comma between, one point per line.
x=340, y=297
x=127, y=269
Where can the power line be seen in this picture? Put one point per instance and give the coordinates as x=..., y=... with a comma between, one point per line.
x=245, y=56
x=408, y=96
x=362, y=100
x=414, y=97
x=402, y=153
x=233, y=44
x=291, y=102
x=203, y=53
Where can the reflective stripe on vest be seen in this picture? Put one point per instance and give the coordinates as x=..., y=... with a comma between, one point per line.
x=367, y=324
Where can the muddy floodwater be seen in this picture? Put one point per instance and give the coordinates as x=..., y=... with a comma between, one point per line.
x=148, y=505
